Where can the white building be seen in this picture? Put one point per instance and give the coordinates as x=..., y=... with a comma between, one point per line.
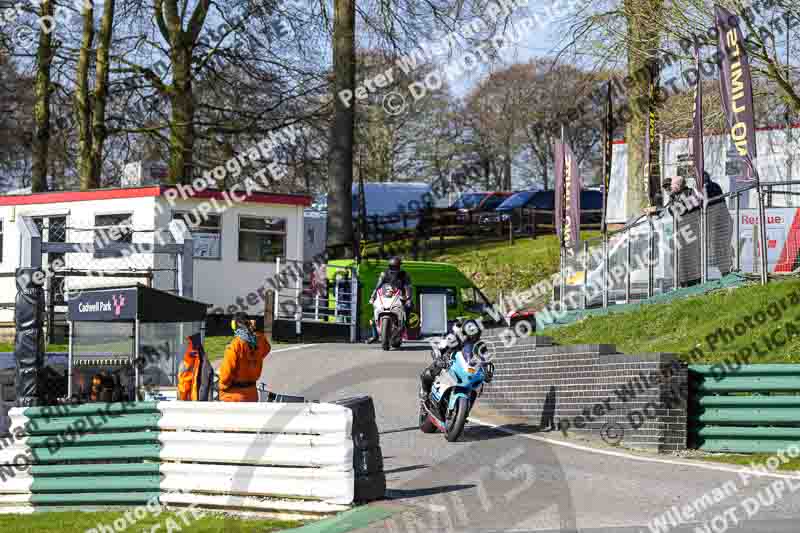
x=778, y=160
x=235, y=245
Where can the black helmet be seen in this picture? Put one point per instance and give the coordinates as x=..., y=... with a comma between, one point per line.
x=395, y=263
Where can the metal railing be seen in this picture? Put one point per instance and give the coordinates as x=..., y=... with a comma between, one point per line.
x=669, y=248
x=323, y=301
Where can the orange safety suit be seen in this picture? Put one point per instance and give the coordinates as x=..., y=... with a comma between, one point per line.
x=241, y=368
x=195, y=375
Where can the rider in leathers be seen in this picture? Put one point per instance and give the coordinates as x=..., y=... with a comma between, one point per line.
x=453, y=342
x=398, y=278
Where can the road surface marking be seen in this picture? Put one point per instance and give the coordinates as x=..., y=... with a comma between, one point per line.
x=633, y=457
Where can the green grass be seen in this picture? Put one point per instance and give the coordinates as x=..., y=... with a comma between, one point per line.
x=494, y=266
x=502, y=267
x=79, y=522
x=682, y=325
x=757, y=459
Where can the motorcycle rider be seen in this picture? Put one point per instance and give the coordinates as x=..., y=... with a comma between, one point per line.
x=397, y=278
x=463, y=337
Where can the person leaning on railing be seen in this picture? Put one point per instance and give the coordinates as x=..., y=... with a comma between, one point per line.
x=684, y=204
x=719, y=227
x=243, y=361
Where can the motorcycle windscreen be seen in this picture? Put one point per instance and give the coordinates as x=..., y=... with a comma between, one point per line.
x=433, y=311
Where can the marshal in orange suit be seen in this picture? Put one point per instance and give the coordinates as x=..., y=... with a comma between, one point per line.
x=244, y=358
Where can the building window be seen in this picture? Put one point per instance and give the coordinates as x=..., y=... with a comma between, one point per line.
x=206, y=234
x=261, y=239
x=111, y=229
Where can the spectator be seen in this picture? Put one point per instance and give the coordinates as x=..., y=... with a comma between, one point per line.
x=719, y=229
x=684, y=205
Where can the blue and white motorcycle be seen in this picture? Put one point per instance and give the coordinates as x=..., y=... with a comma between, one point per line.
x=462, y=367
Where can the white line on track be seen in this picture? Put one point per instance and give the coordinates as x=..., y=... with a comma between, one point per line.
x=633, y=457
x=292, y=348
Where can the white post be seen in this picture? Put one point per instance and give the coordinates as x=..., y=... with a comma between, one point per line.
x=298, y=310
x=353, y=306
x=69, y=359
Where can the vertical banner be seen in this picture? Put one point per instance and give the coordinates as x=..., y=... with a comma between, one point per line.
x=698, y=152
x=652, y=145
x=737, y=90
x=572, y=201
x=558, y=167
x=608, y=151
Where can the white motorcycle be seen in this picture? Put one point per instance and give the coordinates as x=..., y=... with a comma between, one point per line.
x=389, y=314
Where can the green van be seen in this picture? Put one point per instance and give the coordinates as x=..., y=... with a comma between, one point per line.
x=439, y=290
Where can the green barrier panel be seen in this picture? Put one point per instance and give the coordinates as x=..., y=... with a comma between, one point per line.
x=732, y=410
x=745, y=370
x=749, y=401
x=84, y=409
x=98, y=453
x=766, y=415
x=94, y=498
x=750, y=384
x=91, y=424
x=755, y=433
x=132, y=437
x=745, y=445
x=95, y=484
x=95, y=469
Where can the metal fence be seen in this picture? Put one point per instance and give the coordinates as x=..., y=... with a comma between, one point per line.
x=669, y=248
x=323, y=294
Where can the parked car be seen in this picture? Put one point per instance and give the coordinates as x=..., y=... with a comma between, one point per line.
x=474, y=202
x=591, y=209
x=503, y=211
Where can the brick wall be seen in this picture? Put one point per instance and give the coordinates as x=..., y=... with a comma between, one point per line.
x=636, y=401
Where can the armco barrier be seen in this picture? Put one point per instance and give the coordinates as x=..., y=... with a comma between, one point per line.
x=294, y=459
x=752, y=408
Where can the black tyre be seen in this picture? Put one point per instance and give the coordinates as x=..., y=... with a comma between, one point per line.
x=386, y=332
x=456, y=420
x=397, y=342
x=425, y=423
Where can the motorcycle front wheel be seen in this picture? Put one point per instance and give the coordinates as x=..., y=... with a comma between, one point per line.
x=386, y=333
x=456, y=420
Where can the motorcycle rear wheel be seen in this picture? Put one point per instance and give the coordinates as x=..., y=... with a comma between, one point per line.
x=425, y=423
x=457, y=420
x=386, y=333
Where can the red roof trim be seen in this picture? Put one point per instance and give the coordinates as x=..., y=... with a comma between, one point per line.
x=143, y=192
x=78, y=196
x=256, y=197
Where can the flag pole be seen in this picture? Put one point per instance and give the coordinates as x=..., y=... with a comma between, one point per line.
x=561, y=208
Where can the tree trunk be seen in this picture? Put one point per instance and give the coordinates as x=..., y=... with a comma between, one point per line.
x=340, y=163
x=507, y=171
x=41, y=110
x=545, y=176
x=83, y=105
x=644, y=42
x=182, y=122
x=99, y=132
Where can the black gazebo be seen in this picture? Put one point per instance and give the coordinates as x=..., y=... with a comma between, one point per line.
x=122, y=339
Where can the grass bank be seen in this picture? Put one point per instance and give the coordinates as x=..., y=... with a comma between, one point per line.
x=688, y=324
